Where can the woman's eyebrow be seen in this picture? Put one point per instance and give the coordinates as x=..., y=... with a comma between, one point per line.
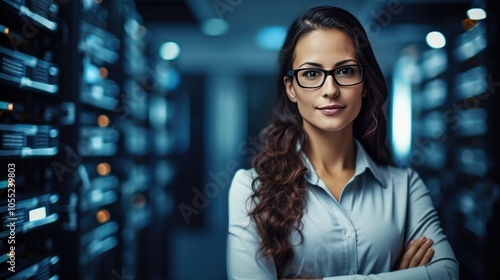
x=312, y=63
x=344, y=62
x=321, y=65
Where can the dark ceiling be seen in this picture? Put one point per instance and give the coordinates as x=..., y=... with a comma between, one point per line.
x=180, y=21
x=433, y=13
x=165, y=11
x=430, y=12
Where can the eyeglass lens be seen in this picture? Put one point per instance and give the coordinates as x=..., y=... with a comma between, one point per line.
x=315, y=77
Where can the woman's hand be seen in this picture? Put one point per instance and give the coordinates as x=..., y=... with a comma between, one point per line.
x=418, y=252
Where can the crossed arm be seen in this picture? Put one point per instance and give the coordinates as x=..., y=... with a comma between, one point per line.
x=417, y=253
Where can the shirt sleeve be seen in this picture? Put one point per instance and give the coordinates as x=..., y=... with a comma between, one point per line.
x=242, y=256
x=422, y=219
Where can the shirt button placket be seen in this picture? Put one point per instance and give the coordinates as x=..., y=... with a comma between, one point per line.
x=352, y=245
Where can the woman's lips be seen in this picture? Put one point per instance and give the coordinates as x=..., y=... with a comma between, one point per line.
x=331, y=109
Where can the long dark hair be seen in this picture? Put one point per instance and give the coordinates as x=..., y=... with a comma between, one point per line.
x=280, y=187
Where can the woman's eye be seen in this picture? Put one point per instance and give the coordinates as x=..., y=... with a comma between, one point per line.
x=311, y=74
x=345, y=71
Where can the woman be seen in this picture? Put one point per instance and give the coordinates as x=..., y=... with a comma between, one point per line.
x=322, y=200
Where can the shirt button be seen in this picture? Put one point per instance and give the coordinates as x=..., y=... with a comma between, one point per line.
x=350, y=272
x=348, y=234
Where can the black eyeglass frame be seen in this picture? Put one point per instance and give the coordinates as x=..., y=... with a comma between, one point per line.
x=294, y=73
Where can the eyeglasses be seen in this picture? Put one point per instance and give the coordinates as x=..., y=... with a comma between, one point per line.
x=346, y=75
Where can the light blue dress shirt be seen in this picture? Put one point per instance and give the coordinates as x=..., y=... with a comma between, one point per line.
x=361, y=236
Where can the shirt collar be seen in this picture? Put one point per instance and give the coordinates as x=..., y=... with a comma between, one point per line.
x=363, y=162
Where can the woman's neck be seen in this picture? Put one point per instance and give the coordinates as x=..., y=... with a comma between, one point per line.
x=330, y=151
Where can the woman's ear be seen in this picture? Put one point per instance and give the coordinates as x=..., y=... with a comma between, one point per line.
x=290, y=91
x=364, y=92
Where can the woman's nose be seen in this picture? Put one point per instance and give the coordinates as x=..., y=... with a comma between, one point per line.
x=330, y=88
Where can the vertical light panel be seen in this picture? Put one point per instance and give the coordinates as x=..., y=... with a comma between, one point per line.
x=401, y=109
x=225, y=131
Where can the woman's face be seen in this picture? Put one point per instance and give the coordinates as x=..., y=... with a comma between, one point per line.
x=330, y=107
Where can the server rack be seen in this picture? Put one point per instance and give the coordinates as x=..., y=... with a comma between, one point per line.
x=89, y=161
x=472, y=90
x=29, y=136
x=451, y=146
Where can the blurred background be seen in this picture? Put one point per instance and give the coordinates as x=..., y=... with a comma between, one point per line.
x=122, y=123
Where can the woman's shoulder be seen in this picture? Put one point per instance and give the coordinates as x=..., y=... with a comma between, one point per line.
x=243, y=179
x=383, y=172
x=241, y=188
x=405, y=184
x=399, y=175
x=245, y=174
